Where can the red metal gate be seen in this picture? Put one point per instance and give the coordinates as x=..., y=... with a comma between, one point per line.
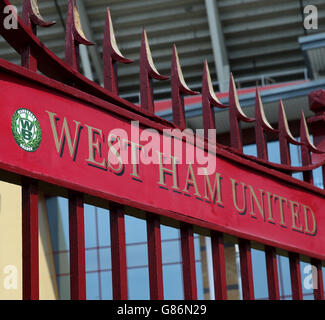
x=75, y=104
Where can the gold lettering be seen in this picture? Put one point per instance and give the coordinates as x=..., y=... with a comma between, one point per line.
x=260, y=206
x=295, y=210
x=281, y=201
x=163, y=171
x=134, y=157
x=270, y=217
x=191, y=181
x=65, y=135
x=314, y=229
x=234, y=196
x=215, y=193
x=114, y=151
x=95, y=146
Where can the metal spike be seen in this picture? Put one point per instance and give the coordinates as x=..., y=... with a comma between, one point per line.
x=305, y=136
x=260, y=115
x=284, y=127
x=32, y=18
x=209, y=101
x=148, y=72
x=111, y=55
x=74, y=36
x=31, y=15
x=306, y=147
x=208, y=88
x=261, y=125
x=234, y=104
x=146, y=58
x=179, y=88
x=235, y=115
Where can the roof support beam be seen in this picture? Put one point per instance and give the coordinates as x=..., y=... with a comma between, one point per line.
x=218, y=44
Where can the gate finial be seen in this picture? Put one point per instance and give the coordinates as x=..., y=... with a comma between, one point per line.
x=260, y=114
x=285, y=136
x=284, y=127
x=32, y=18
x=261, y=125
x=209, y=101
x=111, y=55
x=235, y=115
x=74, y=36
x=31, y=15
x=305, y=136
x=179, y=88
x=148, y=72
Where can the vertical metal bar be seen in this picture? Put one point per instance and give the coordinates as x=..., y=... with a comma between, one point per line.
x=148, y=72
x=295, y=275
x=319, y=290
x=77, y=247
x=29, y=200
x=262, y=125
x=30, y=240
x=118, y=253
x=272, y=273
x=246, y=269
x=179, y=89
x=188, y=258
x=155, y=258
x=219, y=266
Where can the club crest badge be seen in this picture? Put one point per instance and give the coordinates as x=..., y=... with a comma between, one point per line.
x=26, y=130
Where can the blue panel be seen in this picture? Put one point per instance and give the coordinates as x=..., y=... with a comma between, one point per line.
x=173, y=282
x=138, y=284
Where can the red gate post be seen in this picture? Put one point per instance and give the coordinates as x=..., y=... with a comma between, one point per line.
x=319, y=290
x=262, y=125
x=30, y=240
x=32, y=18
x=155, y=257
x=317, y=129
x=272, y=273
x=246, y=269
x=111, y=56
x=295, y=274
x=74, y=37
x=118, y=253
x=77, y=247
x=188, y=259
x=219, y=266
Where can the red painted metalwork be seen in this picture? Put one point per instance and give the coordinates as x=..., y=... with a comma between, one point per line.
x=209, y=101
x=219, y=266
x=64, y=92
x=148, y=72
x=246, y=269
x=179, y=89
x=285, y=137
x=77, y=247
x=118, y=253
x=272, y=273
x=32, y=19
x=74, y=36
x=155, y=258
x=236, y=114
x=188, y=262
x=30, y=240
x=111, y=56
x=261, y=127
x=319, y=291
x=295, y=274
